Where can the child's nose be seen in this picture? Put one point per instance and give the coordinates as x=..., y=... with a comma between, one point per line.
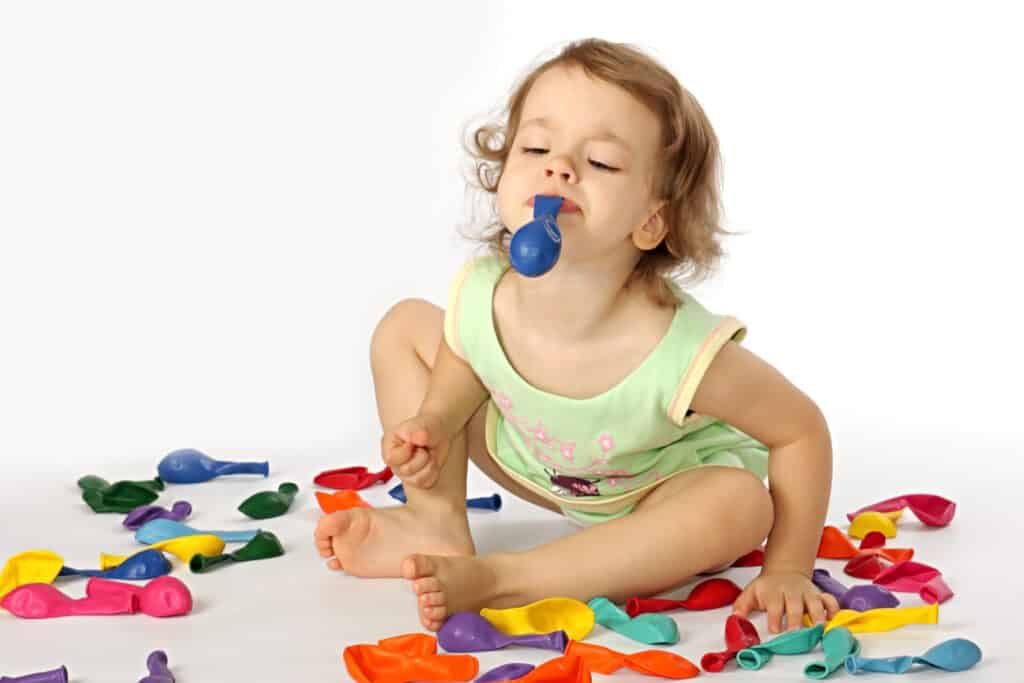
x=560, y=166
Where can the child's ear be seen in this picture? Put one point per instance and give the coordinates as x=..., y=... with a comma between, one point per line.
x=653, y=231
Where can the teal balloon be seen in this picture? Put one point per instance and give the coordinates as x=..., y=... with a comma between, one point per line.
x=651, y=629
x=955, y=654
x=790, y=643
x=838, y=644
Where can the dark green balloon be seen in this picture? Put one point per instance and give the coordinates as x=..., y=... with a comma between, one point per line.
x=263, y=546
x=121, y=496
x=266, y=504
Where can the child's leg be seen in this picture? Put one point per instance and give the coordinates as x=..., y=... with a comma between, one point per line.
x=693, y=522
x=374, y=542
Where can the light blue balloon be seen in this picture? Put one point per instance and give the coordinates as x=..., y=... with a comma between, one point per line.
x=158, y=530
x=955, y=654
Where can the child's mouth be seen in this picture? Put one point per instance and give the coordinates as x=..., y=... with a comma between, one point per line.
x=568, y=206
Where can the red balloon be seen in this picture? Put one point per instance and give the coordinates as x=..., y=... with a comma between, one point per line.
x=739, y=635
x=709, y=594
x=351, y=478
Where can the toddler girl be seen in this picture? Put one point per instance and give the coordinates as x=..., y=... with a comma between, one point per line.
x=600, y=390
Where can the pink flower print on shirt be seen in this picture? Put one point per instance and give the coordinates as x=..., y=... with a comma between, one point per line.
x=540, y=433
x=502, y=399
x=567, y=450
x=606, y=442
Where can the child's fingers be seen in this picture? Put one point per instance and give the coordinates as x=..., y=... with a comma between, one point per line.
x=831, y=604
x=417, y=462
x=794, y=612
x=774, y=609
x=334, y=564
x=816, y=608
x=420, y=437
x=398, y=454
x=744, y=604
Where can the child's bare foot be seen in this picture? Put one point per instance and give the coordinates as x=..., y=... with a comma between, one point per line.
x=446, y=585
x=374, y=542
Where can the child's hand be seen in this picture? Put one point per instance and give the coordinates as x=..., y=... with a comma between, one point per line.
x=416, y=450
x=789, y=593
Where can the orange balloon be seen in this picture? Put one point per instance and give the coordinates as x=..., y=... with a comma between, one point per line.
x=603, y=660
x=406, y=658
x=340, y=500
x=410, y=644
x=835, y=545
x=564, y=669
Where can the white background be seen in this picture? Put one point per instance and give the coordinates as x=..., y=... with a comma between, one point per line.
x=205, y=207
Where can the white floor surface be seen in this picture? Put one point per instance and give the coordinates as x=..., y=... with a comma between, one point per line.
x=288, y=619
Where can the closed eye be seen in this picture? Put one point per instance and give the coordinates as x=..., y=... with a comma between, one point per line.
x=596, y=164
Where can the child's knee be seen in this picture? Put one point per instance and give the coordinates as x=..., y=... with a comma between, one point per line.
x=403, y=323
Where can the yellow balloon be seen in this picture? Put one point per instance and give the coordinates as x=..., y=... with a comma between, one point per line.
x=882, y=619
x=544, y=616
x=183, y=547
x=31, y=566
x=866, y=522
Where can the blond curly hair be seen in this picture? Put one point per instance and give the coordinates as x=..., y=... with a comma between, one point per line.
x=688, y=161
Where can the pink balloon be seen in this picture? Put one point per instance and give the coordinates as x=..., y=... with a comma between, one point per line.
x=165, y=596
x=915, y=577
x=932, y=510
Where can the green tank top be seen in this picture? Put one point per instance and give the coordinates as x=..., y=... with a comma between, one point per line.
x=583, y=452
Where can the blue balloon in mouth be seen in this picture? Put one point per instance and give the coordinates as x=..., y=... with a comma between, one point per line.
x=536, y=246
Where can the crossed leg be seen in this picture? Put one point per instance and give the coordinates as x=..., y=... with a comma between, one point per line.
x=695, y=521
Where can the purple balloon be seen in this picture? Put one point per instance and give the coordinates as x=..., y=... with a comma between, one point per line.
x=59, y=675
x=505, y=672
x=470, y=632
x=869, y=596
x=147, y=513
x=858, y=598
x=158, y=671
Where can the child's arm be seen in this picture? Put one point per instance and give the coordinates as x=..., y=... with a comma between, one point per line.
x=455, y=392
x=417, y=449
x=746, y=392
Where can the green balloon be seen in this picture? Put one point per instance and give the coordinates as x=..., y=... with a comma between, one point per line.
x=121, y=496
x=266, y=504
x=838, y=644
x=263, y=546
x=651, y=629
x=790, y=643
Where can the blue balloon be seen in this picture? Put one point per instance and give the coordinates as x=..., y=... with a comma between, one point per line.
x=536, y=246
x=189, y=466
x=956, y=654
x=148, y=564
x=157, y=530
x=398, y=493
x=491, y=502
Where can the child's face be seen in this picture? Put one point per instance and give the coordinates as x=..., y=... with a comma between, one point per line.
x=592, y=143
